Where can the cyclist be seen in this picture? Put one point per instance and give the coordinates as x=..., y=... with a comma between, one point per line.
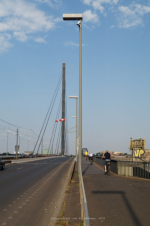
x=86, y=155
x=91, y=157
x=107, y=157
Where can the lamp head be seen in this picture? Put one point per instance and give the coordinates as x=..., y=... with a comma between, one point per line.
x=79, y=23
x=76, y=97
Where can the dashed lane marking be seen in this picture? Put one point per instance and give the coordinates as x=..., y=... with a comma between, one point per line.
x=20, y=168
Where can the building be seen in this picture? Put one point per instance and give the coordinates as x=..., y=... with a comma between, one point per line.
x=28, y=152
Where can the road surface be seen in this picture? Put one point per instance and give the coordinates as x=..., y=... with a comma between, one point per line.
x=32, y=192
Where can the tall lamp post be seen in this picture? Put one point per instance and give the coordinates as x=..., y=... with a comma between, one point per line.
x=76, y=138
x=75, y=97
x=78, y=17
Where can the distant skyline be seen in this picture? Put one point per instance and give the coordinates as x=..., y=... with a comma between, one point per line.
x=35, y=41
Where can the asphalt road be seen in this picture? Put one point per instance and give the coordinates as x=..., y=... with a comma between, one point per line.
x=31, y=193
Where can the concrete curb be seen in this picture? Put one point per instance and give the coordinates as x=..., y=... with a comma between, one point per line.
x=7, y=162
x=66, y=183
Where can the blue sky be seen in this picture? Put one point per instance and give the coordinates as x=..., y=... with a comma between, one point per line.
x=35, y=41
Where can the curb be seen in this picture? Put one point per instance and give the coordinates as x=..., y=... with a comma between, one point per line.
x=70, y=175
x=7, y=162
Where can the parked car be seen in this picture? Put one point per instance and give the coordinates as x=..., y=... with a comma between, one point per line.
x=2, y=164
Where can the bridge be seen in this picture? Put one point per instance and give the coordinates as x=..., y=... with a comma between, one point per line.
x=42, y=183
x=47, y=191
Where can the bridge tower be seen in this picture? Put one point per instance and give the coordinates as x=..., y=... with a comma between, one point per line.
x=63, y=110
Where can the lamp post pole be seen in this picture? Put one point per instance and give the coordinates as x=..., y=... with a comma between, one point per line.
x=17, y=145
x=76, y=128
x=78, y=17
x=7, y=141
x=80, y=95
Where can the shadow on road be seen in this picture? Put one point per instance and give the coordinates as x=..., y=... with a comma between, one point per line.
x=130, y=209
x=84, y=171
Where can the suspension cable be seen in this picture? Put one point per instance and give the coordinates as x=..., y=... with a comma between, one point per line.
x=55, y=126
x=49, y=111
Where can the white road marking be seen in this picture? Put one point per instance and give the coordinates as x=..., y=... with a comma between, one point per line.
x=38, y=189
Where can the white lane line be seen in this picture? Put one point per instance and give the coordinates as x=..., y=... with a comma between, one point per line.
x=32, y=160
x=20, y=168
x=41, y=186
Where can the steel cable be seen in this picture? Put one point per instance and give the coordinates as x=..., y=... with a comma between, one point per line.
x=49, y=112
x=57, y=115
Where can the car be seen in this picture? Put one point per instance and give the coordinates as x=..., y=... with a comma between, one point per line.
x=2, y=164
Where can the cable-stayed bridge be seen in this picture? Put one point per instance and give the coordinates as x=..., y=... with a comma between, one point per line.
x=51, y=139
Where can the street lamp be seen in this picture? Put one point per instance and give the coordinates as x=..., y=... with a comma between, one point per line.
x=75, y=97
x=7, y=137
x=78, y=17
x=28, y=144
x=76, y=139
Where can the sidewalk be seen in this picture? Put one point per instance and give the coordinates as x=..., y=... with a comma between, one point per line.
x=114, y=200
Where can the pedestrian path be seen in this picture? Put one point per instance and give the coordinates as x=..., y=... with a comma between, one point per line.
x=87, y=168
x=114, y=200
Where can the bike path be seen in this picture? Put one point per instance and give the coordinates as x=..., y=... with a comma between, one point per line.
x=115, y=200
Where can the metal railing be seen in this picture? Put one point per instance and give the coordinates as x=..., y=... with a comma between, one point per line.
x=134, y=169
x=83, y=201
x=128, y=168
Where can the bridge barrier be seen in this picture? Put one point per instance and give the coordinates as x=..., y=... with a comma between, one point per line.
x=83, y=201
x=128, y=168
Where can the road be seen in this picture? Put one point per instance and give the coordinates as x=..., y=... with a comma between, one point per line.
x=32, y=192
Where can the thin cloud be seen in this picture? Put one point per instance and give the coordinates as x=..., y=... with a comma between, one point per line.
x=39, y=39
x=89, y=16
x=51, y=3
x=4, y=42
x=127, y=16
x=71, y=44
x=21, y=19
x=131, y=16
x=100, y=4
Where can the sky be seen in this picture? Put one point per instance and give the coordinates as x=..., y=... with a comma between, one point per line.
x=35, y=41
